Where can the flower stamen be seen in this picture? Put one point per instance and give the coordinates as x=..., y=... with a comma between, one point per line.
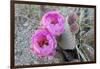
x=43, y=41
x=54, y=20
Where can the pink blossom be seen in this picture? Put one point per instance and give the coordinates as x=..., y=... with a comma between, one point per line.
x=74, y=28
x=43, y=43
x=54, y=22
x=72, y=18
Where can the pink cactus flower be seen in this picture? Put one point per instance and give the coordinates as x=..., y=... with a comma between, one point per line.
x=54, y=22
x=43, y=43
x=72, y=18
